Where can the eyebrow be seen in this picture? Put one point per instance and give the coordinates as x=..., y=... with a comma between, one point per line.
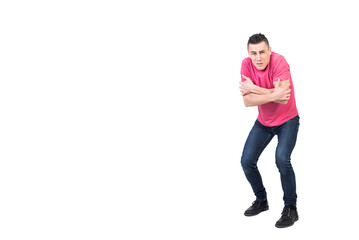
x=258, y=51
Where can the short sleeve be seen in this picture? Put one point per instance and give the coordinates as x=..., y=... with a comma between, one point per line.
x=281, y=70
x=245, y=69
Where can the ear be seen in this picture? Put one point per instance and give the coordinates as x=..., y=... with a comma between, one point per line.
x=249, y=55
x=270, y=51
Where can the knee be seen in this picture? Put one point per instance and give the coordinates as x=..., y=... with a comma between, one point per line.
x=283, y=163
x=248, y=163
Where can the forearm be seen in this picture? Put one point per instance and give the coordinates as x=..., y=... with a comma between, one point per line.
x=261, y=91
x=252, y=99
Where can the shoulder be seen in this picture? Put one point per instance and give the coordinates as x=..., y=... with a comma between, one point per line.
x=278, y=62
x=278, y=59
x=247, y=61
x=246, y=67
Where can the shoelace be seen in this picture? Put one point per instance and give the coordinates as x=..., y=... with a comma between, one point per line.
x=255, y=203
x=289, y=213
x=286, y=211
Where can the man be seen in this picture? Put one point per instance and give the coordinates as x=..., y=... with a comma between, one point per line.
x=267, y=83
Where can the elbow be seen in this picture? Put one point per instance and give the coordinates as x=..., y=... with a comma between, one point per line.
x=247, y=104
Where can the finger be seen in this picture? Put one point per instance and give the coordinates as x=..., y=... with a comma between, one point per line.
x=276, y=84
x=245, y=77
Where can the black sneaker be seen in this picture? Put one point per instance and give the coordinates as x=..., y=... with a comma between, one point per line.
x=289, y=217
x=256, y=208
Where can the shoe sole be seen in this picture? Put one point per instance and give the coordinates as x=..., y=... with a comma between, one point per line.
x=250, y=215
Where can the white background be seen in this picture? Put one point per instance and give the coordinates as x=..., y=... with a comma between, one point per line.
x=123, y=119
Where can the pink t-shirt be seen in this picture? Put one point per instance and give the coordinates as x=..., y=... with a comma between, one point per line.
x=272, y=114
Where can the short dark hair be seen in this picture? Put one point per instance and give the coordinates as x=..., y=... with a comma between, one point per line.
x=257, y=38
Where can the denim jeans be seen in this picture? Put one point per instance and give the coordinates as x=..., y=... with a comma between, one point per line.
x=257, y=140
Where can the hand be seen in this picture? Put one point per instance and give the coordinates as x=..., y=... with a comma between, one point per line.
x=247, y=86
x=280, y=94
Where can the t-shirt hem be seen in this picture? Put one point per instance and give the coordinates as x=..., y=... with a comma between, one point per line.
x=276, y=124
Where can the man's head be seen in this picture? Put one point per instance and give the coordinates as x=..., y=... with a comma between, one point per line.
x=259, y=51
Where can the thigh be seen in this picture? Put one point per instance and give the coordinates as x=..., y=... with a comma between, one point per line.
x=287, y=137
x=257, y=140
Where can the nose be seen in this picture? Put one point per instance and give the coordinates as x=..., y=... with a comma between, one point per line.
x=258, y=57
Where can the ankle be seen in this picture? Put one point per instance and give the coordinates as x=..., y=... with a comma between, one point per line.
x=293, y=207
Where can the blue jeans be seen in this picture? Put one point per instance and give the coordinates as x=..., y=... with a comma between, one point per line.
x=257, y=140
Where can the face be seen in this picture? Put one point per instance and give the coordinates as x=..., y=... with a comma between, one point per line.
x=260, y=55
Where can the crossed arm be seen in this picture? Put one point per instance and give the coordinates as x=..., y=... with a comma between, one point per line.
x=254, y=95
